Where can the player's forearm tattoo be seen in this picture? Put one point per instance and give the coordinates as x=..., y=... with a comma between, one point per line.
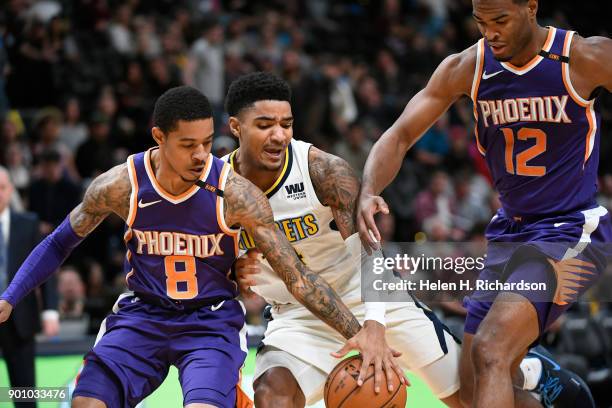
x=337, y=186
x=107, y=193
x=246, y=205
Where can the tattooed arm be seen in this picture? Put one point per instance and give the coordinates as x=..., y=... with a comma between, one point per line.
x=337, y=186
x=246, y=205
x=108, y=193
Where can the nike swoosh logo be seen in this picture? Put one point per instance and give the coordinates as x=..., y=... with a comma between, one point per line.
x=217, y=307
x=558, y=224
x=143, y=205
x=487, y=76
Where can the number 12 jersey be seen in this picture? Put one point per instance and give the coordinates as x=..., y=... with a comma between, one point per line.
x=539, y=137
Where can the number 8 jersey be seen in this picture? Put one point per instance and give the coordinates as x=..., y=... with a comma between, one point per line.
x=179, y=247
x=539, y=137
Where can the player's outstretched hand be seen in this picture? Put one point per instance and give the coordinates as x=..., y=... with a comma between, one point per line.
x=368, y=206
x=5, y=310
x=246, y=267
x=372, y=344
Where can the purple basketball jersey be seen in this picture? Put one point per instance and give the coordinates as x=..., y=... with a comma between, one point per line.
x=539, y=137
x=179, y=246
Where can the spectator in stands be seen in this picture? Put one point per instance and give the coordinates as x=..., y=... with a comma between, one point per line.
x=174, y=43
x=470, y=192
x=31, y=82
x=406, y=184
x=95, y=156
x=162, y=76
x=269, y=47
x=47, y=129
x=53, y=195
x=313, y=105
x=148, y=43
x=17, y=167
x=458, y=156
x=205, y=66
x=100, y=296
x=393, y=82
x=120, y=32
x=73, y=131
x=11, y=134
x=122, y=129
x=435, y=202
x=432, y=148
x=134, y=94
x=341, y=96
x=236, y=42
x=354, y=147
x=71, y=291
x=371, y=104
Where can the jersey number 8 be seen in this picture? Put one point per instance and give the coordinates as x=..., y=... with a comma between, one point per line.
x=181, y=284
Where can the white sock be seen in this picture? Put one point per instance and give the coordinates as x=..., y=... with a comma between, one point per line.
x=532, y=370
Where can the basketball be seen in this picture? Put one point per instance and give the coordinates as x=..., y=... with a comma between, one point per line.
x=342, y=391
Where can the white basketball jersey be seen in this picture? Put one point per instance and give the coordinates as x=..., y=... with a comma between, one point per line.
x=309, y=227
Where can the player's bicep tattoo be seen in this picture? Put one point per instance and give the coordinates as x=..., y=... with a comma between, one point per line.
x=337, y=186
x=107, y=193
x=247, y=206
x=244, y=202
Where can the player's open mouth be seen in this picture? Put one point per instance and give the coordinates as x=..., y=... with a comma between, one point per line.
x=275, y=154
x=197, y=170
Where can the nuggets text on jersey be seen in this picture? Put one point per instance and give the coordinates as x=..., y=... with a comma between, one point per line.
x=295, y=229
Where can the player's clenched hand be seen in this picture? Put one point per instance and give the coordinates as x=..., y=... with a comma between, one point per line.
x=372, y=344
x=246, y=267
x=5, y=310
x=368, y=206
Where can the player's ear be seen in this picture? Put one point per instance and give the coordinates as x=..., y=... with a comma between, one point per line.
x=532, y=6
x=158, y=136
x=234, y=125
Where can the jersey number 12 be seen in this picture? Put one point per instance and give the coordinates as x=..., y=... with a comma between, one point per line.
x=522, y=168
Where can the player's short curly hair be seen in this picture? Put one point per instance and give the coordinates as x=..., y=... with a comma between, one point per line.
x=180, y=103
x=257, y=86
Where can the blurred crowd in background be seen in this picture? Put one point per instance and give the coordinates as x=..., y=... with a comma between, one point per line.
x=79, y=79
